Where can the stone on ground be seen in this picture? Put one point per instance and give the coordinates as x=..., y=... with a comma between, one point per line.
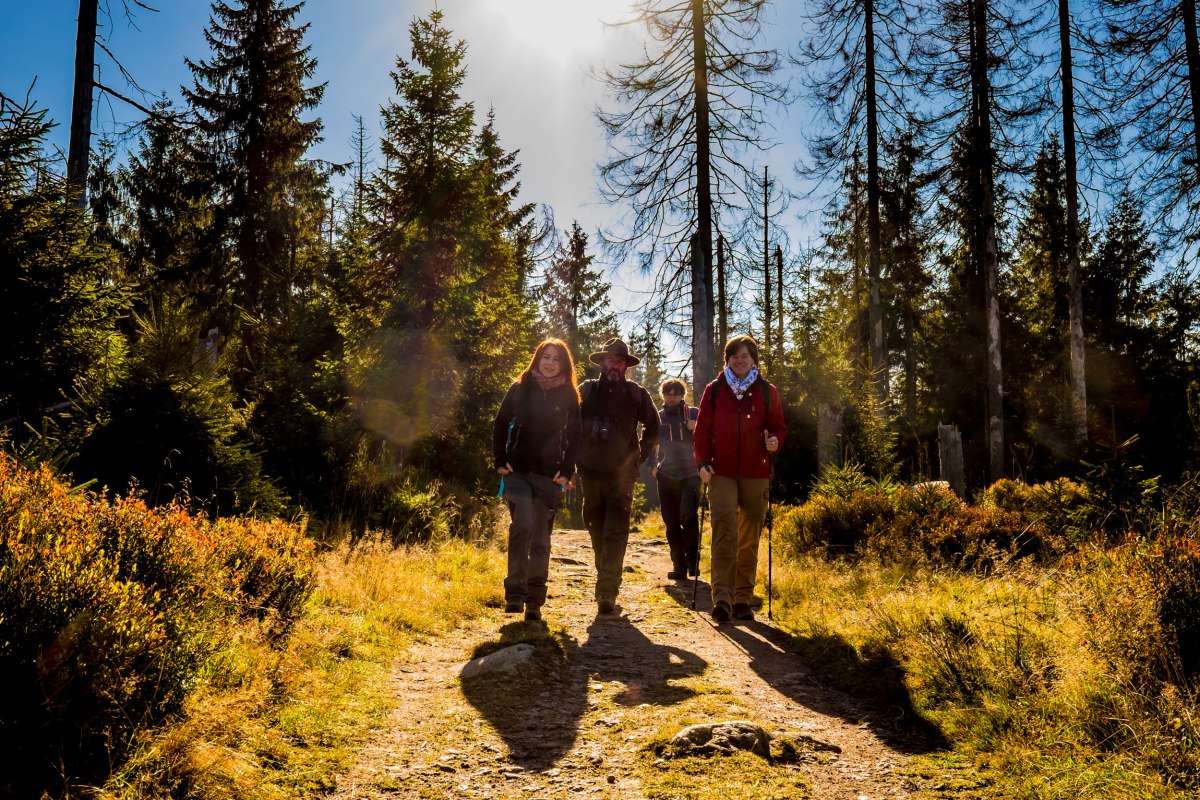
x=499, y=661
x=721, y=738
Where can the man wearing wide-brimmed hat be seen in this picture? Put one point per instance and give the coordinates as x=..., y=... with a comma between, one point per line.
x=609, y=460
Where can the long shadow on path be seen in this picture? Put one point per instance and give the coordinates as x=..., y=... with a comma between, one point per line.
x=537, y=707
x=616, y=650
x=868, y=690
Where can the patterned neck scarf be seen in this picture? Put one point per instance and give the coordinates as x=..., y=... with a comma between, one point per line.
x=548, y=383
x=740, y=386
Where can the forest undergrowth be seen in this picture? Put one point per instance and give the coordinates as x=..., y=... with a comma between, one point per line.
x=1059, y=664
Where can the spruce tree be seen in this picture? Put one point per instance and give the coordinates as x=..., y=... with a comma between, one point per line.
x=452, y=246
x=575, y=300
x=60, y=288
x=907, y=281
x=250, y=97
x=171, y=212
x=978, y=71
x=1038, y=300
x=854, y=54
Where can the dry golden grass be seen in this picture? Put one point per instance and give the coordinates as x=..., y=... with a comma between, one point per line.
x=272, y=725
x=1015, y=670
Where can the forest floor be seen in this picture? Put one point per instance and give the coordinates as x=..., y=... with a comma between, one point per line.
x=590, y=713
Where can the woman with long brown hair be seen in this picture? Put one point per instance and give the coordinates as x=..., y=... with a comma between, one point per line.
x=535, y=440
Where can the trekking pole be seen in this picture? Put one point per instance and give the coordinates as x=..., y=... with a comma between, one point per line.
x=699, y=541
x=770, y=528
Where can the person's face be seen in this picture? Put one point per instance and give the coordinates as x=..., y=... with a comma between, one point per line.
x=672, y=397
x=551, y=363
x=614, y=367
x=740, y=362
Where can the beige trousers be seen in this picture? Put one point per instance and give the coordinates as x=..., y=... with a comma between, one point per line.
x=739, y=507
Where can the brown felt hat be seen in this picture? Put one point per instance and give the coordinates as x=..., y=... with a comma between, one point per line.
x=615, y=347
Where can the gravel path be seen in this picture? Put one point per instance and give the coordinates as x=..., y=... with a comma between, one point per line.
x=576, y=719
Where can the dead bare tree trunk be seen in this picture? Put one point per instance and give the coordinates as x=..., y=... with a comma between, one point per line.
x=1075, y=301
x=81, y=105
x=722, y=303
x=874, y=304
x=702, y=280
x=702, y=344
x=1192, y=45
x=779, y=304
x=981, y=86
x=768, y=322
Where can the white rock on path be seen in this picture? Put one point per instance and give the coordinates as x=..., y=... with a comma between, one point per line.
x=499, y=661
x=722, y=737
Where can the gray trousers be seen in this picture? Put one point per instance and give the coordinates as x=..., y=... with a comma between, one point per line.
x=531, y=502
x=607, y=501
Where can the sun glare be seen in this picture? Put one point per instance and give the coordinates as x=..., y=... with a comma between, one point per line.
x=561, y=28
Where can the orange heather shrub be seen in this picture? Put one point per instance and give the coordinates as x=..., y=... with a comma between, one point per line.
x=108, y=612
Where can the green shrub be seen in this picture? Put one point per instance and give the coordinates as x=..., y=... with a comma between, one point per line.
x=412, y=513
x=851, y=514
x=1053, y=508
x=963, y=537
x=108, y=613
x=849, y=480
x=834, y=523
x=1172, y=564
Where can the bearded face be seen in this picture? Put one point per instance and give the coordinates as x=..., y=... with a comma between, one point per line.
x=614, y=367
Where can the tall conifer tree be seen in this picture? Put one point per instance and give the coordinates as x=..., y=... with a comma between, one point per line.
x=250, y=98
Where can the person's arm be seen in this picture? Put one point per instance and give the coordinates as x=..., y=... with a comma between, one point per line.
x=775, y=427
x=504, y=418
x=650, y=426
x=702, y=436
x=574, y=438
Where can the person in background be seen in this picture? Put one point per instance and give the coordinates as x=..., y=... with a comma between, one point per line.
x=678, y=481
x=535, y=440
x=612, y=409
x=739, y=426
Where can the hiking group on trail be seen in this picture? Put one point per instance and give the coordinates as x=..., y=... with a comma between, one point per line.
x=547, y=428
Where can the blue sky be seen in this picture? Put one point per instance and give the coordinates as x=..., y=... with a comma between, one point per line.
x=527, y=59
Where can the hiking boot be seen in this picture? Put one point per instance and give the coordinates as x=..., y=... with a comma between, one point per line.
x=514, y=607
x=533, y=614
x=693, y=570
x=742, y=611
x=678, y=572
x=720, y=612
x=606, y=605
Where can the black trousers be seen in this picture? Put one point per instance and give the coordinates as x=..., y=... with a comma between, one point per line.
x=680, y=499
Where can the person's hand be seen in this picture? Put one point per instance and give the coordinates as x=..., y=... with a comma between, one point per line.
x=770, y=441
x=692, y=425
x=559, y=478
x=654, y=472
x=506, y=469
x=706, y=474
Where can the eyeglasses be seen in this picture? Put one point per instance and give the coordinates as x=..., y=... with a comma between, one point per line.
x=672, y=394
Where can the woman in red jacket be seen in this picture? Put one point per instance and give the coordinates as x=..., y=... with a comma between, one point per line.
x=739, y=427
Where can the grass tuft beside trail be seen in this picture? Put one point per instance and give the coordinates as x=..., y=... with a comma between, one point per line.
x=270, y=725
x=1030, y=676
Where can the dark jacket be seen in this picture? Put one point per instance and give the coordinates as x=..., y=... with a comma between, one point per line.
x=729, y=432
x=537, y=430
x=675, y=458
x=611, y=412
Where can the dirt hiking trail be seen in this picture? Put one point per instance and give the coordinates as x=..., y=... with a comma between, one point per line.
x=579, y=718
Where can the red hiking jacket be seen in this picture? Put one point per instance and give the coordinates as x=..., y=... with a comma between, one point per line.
x=729, y=432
